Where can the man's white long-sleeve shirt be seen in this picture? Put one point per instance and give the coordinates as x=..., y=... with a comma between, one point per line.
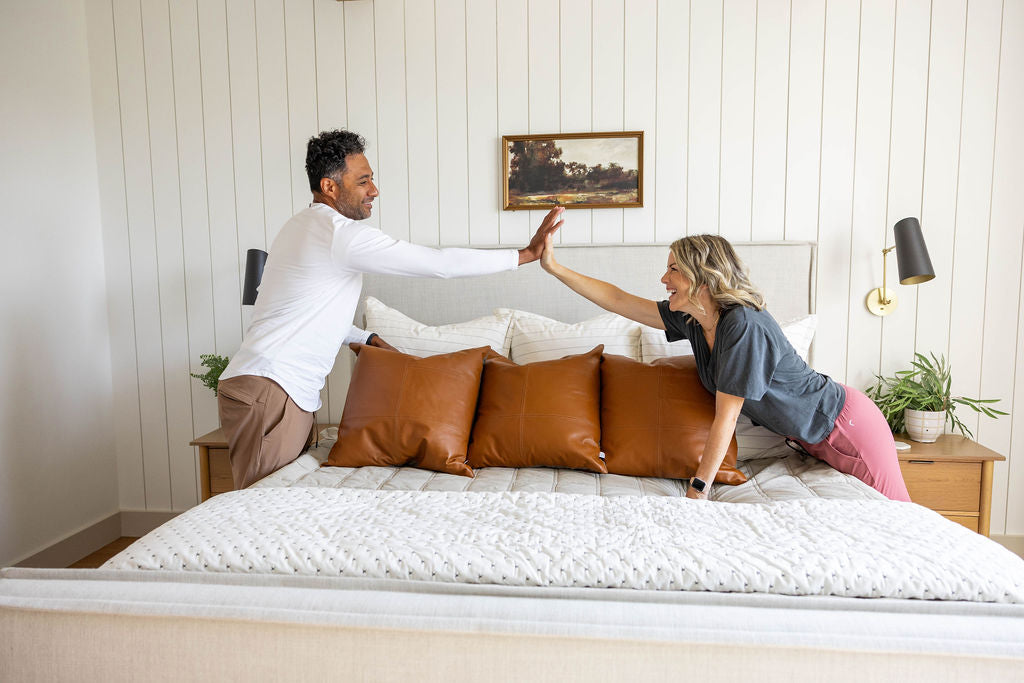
x=310, y=289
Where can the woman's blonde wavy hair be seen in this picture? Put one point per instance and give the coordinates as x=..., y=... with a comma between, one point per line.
x=710, y=260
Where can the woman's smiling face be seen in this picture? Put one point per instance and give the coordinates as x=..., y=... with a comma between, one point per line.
x=678, y=286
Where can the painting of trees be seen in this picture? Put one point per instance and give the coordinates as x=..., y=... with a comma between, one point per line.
x=538, y=174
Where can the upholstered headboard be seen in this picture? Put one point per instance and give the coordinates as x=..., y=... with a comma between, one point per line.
x=784, y=271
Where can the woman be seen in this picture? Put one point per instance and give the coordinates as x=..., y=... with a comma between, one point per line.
x=744, y=359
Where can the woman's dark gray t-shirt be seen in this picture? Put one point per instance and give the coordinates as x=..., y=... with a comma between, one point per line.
x=753, y=359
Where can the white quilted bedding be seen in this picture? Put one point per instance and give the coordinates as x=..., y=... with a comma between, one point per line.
x=853, y=548
x=781, y=474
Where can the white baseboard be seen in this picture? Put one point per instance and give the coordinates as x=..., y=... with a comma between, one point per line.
x=93, y=537
x=1012, y=542
x=77, y=545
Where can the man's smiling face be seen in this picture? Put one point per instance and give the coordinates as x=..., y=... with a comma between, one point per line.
x=356, y=189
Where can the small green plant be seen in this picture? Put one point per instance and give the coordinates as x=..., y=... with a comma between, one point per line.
x=926, y=387
x=216, y=365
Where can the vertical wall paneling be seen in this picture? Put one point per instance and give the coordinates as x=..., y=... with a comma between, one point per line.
x=906, y=159
x=974, y=197
x=142, y=238
x=826, y=120
x=483, y=136
x=739, y=34
x=272, y=64
x=421, y=104
x=513, y=98
x=835, y=293
x=452, y=112
x=361, y=87
x=771, y=105
x=179, y=470
x=576, y=94
x=301, y=80
x=870, y=183
x=195, y=230
x=639, y=97
x=220, y=178
x=607, y=90
x=117, y=256
x=330, y=64
x=1003, y=283
x=705, y=117
x=941, y=169
x=543, y=65
x=803, y=152
x=672, y=88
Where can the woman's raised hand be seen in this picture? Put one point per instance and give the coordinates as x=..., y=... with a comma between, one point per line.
x=547, y=257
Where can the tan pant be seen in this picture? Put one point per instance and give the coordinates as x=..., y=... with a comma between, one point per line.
x=265, y=429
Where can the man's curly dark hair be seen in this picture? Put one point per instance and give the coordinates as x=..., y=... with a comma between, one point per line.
x=325, y=154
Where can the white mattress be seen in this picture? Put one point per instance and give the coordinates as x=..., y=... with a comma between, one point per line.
x=783, y=475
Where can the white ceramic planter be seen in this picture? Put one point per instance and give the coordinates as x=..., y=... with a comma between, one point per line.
x=924, y=425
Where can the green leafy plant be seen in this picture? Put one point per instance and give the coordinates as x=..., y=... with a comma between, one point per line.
x=216, y=365
x=925, y=387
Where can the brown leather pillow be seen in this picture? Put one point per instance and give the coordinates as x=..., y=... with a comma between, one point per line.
x=656, y=417
x=405, y=410
x=544, y=414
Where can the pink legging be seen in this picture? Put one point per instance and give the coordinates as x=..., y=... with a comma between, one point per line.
x=861, y=444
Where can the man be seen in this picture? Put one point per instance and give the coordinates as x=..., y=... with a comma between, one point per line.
x=311, y=285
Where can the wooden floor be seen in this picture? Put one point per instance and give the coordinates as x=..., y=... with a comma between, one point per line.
x=103, y=554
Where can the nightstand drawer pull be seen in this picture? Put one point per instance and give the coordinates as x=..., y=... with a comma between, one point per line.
x=921, y=462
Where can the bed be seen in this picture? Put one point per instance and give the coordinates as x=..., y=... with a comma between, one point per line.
x=398, y=573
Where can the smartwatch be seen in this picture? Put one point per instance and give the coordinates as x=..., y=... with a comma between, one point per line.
x=369, y=340
x=699, y=485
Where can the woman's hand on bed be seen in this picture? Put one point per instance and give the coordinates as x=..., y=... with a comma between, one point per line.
x=694, y=494
x=548, y=227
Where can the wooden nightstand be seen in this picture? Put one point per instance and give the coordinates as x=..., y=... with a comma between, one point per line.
x=214, y=465
x=952, y=476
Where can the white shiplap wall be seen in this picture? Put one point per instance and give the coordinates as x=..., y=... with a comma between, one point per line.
x=763, y=119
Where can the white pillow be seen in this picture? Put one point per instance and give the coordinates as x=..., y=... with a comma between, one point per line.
x=754, y=442
x=653, y=345
x=417, y=339
x=536, y=338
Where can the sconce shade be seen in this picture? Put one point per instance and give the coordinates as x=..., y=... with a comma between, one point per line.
x=254, y=262
x=911, y=253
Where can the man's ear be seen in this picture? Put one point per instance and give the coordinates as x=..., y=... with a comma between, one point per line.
x=329, y=187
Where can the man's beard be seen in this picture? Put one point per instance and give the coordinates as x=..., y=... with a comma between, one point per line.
x=356, y=212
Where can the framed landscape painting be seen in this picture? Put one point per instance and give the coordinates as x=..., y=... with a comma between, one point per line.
x=574, y=170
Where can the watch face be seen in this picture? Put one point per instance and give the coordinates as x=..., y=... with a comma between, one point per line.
x=698, y=484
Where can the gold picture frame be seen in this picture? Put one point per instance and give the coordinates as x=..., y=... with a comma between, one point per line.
x=574, y=170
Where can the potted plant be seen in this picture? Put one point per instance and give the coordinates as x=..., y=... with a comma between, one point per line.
x=918, y=401
x=215, y=365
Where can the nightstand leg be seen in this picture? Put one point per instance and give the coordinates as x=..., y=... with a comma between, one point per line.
x=985, y=509
x=204, y=470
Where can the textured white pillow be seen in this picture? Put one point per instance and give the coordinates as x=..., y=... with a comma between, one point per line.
x=754, y=442
x=653, y=345
x=536, y=338
x=417, y=339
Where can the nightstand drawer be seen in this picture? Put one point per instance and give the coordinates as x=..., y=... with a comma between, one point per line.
x=969, y=522
x=943, y=486
x=220, y=472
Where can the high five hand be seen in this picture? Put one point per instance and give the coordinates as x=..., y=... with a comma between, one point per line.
x=548, y=227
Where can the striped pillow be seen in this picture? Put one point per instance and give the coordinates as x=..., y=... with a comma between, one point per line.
x=653, y=345
x=417, y=339
x=536, y=338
